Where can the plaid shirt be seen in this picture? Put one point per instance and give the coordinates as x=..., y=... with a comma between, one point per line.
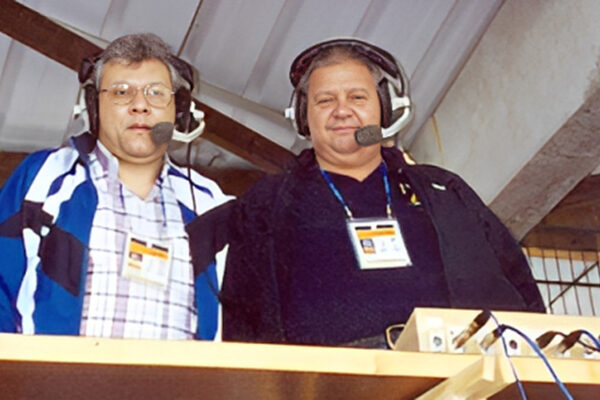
x=115, y=306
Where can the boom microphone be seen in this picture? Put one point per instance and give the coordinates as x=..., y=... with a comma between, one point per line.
x=162, y=132
x=368, y=135
x=372, y=134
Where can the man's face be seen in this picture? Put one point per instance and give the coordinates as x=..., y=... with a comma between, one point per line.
x=342, y=98
x=125, y=129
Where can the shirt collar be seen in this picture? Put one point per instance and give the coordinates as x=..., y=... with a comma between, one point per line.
x=110, y=163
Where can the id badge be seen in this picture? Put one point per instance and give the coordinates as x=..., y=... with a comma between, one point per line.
x=146, y=261
x=378, y=243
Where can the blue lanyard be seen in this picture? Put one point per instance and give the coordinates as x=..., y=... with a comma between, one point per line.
x=386, y=185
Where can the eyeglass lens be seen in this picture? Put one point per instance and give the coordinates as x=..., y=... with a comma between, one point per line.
x=156, y=94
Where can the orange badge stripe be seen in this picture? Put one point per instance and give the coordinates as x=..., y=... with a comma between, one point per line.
x=138, y=248
x=375, y=233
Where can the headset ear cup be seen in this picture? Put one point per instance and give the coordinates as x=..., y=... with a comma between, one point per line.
x=184, y=121
x=385, y=102
x=85, y=76
x=87, y=68
x=301, y=114
x=91, y=105
x=183, y=118
x=185, y=70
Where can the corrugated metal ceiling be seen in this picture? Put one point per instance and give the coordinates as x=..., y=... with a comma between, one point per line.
x=242, y=50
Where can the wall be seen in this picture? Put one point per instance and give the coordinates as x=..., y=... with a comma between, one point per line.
x=535, y=67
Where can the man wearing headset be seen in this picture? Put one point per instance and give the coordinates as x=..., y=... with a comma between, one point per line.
x=92, y=237
x=355, y=235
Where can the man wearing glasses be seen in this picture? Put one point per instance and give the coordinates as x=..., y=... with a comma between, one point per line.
x=92, y=234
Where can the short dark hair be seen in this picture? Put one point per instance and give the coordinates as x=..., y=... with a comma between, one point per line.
x=135, y=48
x=337, y=55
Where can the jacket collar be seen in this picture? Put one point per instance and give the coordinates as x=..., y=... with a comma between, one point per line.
x=394, y=158
x=84, y=144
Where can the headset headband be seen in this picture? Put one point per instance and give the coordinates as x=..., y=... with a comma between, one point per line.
x=377, y=55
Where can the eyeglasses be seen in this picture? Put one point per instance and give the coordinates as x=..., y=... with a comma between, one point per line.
x=157, y=94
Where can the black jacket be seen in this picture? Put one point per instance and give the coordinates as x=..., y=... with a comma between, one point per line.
x=483, y=265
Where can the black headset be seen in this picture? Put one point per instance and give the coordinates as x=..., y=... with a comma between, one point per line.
x=187, y=118
x=393, y=89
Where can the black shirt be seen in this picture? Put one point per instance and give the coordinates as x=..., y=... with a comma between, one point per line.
x=327, y=295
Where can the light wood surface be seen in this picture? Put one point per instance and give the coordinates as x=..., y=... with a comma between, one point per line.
x=52, y=367
x=66, y=367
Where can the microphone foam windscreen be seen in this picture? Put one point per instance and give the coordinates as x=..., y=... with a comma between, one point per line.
x=162, y=132
x=368, y=135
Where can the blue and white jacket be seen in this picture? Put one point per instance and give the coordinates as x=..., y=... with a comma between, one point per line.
x=46, y=211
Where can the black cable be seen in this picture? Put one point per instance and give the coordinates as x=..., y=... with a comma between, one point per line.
x=478, y=322
x=544, y=340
